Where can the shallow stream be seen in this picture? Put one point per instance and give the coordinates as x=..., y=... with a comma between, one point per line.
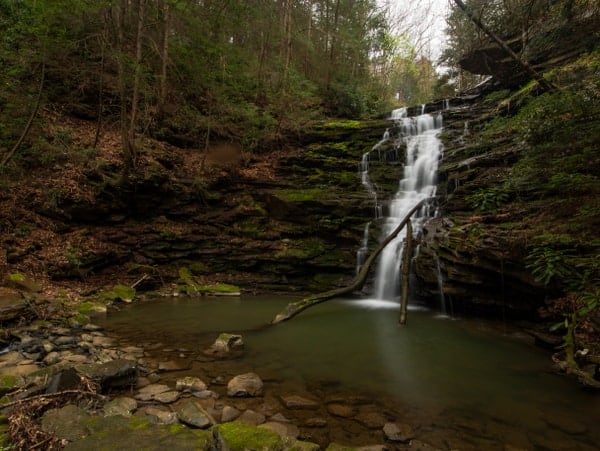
x=463, y=383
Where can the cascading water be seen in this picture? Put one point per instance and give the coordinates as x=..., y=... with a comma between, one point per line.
x=420, y=136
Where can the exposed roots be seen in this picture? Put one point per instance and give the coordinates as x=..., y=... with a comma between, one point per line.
x=24, y=428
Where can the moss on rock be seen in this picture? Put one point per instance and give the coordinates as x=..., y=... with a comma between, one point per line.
x=239, y=437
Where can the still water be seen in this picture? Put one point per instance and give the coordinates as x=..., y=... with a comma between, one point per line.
x=434, y=364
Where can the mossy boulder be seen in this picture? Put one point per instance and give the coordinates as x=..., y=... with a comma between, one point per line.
x=122, y=293
x=117, y=432
x=240, y=437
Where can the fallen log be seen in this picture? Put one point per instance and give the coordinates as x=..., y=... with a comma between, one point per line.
x=294, y=308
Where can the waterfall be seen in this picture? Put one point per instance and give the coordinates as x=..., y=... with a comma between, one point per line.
x=420, y=136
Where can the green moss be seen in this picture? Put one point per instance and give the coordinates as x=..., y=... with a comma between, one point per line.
x=302, y=195
x=119, y=292
x=198, y=268
x=137, y=423
x=347, y=124
x=218, y=288
x=7, y=383
x=91, y=307
x=241, y=437
x=16, y=277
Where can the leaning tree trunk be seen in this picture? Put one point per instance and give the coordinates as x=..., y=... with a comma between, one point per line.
x=544, y=84
x=32, y=116
x=293, y=308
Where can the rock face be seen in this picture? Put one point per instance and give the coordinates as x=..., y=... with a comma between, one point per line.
x=288, y=220
x=467, y=259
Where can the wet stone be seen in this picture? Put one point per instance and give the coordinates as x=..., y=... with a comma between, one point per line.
x=299, y=402
x=120, y=406
x=172, y=365
x=397, y=432
x=283, y=429
x=251, y=417
x=194, y=415
x=149, y=392
x=65, y=340
x=229, y=414
x=316, y=423
x=371, y=420
x=92, y=327
x=193, y=384
x=340, y=410
x=103, y=342
x=248, y=384
x=162, y=416
x=51, y=358
x=167, y=397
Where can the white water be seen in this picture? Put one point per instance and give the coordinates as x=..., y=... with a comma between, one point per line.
x=420, y=136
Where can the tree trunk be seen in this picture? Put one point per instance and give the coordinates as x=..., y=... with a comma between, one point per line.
x=406, y=259
x=165, y=56
x=32, y=116
x=293, y=308
x=135, y=99
x=544, y=84
x=122, y=82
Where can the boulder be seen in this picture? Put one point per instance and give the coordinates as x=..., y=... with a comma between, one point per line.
x=111, y=374
x=66, y=422
x=248, y=384
x=194, y=415
x=226, y=346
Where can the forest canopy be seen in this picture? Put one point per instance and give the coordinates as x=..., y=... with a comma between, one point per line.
x=193, y=71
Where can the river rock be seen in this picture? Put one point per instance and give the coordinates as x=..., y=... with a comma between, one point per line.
x=103, y=342
x=252, y=417
x=192, y=384
x=64, y=341
x=120, y=406
x=395, y=432
x=248, y=384
x=341, y=410
x=66, y=422
x=279, y=418
x=167, y=397
x=206, y=394
x=23, y=369
x=283, y=429
x=149, y=392
x=67, y=379
x=226, y=345
x=162, y=416
x=51, y=358
x=112, y=374
x=194, y=415
x=316, y=422
x=172, y=365
x=229, y=414
x=299, y=402
x=371, y=420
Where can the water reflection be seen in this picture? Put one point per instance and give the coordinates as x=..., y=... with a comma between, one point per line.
x=431, y=364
